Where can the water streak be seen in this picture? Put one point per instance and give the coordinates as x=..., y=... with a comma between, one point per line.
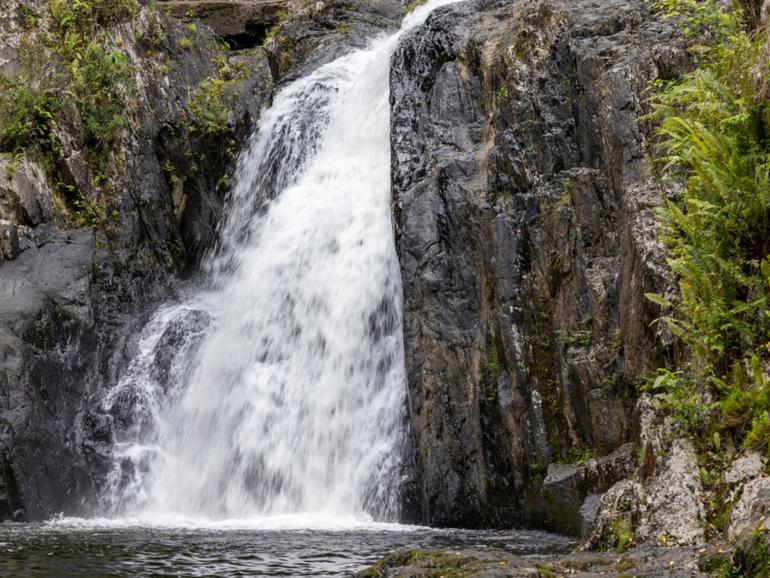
x=278, y=387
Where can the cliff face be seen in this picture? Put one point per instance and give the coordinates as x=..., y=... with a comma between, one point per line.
x=522, y=199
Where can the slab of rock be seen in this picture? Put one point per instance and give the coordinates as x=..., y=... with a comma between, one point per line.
x=666, y=508
x=571, y=493
x=745, y=468
x=752, y=510
x=25, y=196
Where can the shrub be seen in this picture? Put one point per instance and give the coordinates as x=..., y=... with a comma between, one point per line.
x=27, y=116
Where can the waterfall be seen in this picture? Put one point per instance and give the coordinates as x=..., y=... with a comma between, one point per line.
x=276, y=384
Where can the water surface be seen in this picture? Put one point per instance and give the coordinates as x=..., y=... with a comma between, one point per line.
x=77, y=548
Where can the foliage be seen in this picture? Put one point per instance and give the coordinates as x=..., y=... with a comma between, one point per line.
x=27, y=116
x=209, y=107
x=70, y=67
x=713, y=125
x=706, y=20
x=412, y=5
x=71, y=72
x=618, y=535
x=212, y=100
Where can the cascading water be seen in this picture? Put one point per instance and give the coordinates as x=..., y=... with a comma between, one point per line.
x=278, y=388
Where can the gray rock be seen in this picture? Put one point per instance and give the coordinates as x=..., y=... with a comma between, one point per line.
x=744, y=468
x=523, y=213
x=25, y=196
x=570, y=494
x=666, y=508
x=752, y=509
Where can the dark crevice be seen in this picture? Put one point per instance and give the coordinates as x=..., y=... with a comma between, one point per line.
x=254, y=35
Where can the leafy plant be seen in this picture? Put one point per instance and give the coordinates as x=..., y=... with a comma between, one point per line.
x=712, y=125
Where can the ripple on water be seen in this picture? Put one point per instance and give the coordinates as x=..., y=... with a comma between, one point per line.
x=133, y=547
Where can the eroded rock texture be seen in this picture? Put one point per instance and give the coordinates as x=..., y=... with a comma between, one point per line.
x=523, y=209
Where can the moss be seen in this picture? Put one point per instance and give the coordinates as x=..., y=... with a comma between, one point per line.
x=618, y=536
x=753, y=556
x=412, y=5
x=624, y=565
x=427, y=564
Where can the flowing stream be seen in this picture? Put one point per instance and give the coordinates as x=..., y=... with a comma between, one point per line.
x=277, y=389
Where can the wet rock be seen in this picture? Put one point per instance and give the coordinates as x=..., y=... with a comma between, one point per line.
x=523, y=207
x=318, y=32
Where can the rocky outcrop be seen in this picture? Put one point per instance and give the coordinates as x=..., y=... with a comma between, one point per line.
x=523, y=210
x=315, y=33
x=666, y=509
x=241, y=23
x=77, y=276
x=571, y=493
x=752, y=510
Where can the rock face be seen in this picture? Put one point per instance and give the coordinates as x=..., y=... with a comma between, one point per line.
x=522, y=202
x=666, y=508
x=241, y=23
x=71, y=293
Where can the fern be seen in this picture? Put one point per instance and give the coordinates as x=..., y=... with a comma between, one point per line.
x=712, y=125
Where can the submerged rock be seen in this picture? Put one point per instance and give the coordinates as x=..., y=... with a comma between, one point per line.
x=642, y=562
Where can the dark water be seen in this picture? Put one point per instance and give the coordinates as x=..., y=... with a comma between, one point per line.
x=64, y=550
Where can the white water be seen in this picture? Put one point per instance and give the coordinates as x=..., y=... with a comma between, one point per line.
x=277, y=391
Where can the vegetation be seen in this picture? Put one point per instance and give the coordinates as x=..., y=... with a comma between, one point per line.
x=713, y=126
x=71, y=72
